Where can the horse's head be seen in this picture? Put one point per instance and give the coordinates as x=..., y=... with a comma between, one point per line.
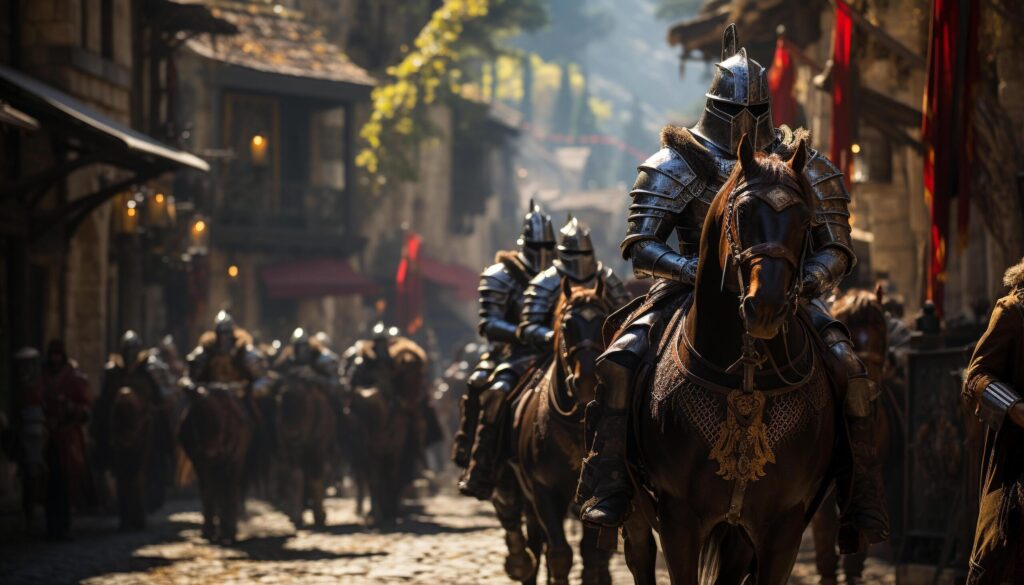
x=863, y=313
x=579, y=318
x=765, y=210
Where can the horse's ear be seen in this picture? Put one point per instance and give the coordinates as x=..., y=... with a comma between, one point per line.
x=745, y=153
x=599, y=288
x=880, y=293
x=567, y=288
x=799, y=158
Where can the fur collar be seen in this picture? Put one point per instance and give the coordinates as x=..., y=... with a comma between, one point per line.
x=1014, y=276
x=789, y=139
x=242, y=339
x=695, y=154
x=514, y=264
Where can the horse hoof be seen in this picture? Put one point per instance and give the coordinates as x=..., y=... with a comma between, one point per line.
x=520, y=566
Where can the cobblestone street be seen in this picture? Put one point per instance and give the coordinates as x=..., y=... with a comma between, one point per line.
x=447, y=540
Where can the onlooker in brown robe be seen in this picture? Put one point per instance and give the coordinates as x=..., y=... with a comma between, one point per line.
x=994, y=386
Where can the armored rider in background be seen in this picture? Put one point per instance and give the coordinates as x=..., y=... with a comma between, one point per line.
x=226, y=356
x=308, y=356
x=502, y=286
x=673, y=193
x=575, y=263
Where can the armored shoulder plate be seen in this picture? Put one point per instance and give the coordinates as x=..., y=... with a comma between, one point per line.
x=496, y=284
x=541, y=296
x=827, y=181
x=614, y=289
x=666, y=181
x=500, y=301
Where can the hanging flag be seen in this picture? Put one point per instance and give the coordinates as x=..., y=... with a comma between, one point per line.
x=945, y=130
x=409, y=285
x=781, y=79
x=842, y=91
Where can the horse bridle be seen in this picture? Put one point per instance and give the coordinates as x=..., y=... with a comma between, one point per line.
x=566, y=353
x=741, y=258
x=750, y=359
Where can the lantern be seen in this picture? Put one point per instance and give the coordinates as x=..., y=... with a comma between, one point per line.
x=258, y=149
x=199, y=235
x=160, y=210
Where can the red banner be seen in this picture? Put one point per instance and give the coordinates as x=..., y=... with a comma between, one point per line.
x=842, y=91
x=781, y=80
x=409, y=285
x=945, y=130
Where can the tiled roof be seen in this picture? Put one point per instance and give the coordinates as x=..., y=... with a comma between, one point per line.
x=277, y=40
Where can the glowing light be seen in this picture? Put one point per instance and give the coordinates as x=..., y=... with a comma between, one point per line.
x=855, y=148
x=131, y=212
x=159, y=198
x=199, y=227
x=258, y=140
x=233, y=271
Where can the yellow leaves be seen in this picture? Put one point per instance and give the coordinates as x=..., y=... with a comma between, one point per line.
x=425, y=69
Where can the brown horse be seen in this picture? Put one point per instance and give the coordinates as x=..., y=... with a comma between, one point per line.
x=382, y=424
x=216, y=433
x=736, y=438
x=131, y=450
x=547, y=438
x=306, y=439
x=863, y=313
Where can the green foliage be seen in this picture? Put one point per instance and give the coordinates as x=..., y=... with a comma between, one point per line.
x=398, y=121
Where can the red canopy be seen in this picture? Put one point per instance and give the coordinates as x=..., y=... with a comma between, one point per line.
x=461, y=279
x=314, y=278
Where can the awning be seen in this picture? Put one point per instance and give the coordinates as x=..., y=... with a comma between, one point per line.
x=462, y=280
x=121, y=145
x=313, y=279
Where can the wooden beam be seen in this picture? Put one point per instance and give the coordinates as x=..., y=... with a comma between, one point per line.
x=883, y=37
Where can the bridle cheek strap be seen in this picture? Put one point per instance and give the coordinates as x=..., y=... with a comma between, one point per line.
x=769, y=250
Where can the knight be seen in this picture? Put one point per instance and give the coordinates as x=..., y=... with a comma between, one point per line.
x=673, y=192
x=501, y=290
x=307, y=355
x=227, y=356
x=575, y=262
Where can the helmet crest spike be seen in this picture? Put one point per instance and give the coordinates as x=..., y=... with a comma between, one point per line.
x=730, y=41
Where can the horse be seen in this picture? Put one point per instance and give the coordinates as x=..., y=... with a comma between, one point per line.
x=863, y=312
x=306, y=439
x=382, y=426
x=216, y=433
x=547, y=444
x=131, y=453
x=736, y=435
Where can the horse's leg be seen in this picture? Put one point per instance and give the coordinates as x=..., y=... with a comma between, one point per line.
x=853, y=566
x=551, y=505
x=230, y=495
x=317, y=488
x=520, y=563
x=778, y=552
x=595, y=560
x=207, y=494
x=825, y=527
x=681, y=543
x=640, y=549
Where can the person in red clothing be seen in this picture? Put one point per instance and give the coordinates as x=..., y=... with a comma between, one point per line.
x=64, y=395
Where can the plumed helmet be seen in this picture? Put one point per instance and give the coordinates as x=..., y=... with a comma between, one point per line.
x=576, y=259
x=738, y=102
x=537, y=240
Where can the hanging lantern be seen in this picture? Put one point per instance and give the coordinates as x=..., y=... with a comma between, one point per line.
x=258, y=149
x=126, y=214
x=199, y=235
x=160, y=210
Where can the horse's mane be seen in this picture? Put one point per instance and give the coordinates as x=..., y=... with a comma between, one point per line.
x=860, y=307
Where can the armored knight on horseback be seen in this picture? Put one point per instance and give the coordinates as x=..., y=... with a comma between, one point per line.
x=307, y=355
x=502, y=288
x=227, y=356
x=673, y=193
x=576, y=264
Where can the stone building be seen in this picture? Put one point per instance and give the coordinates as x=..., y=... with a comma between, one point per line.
x=71, y=73
x=890, y=214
